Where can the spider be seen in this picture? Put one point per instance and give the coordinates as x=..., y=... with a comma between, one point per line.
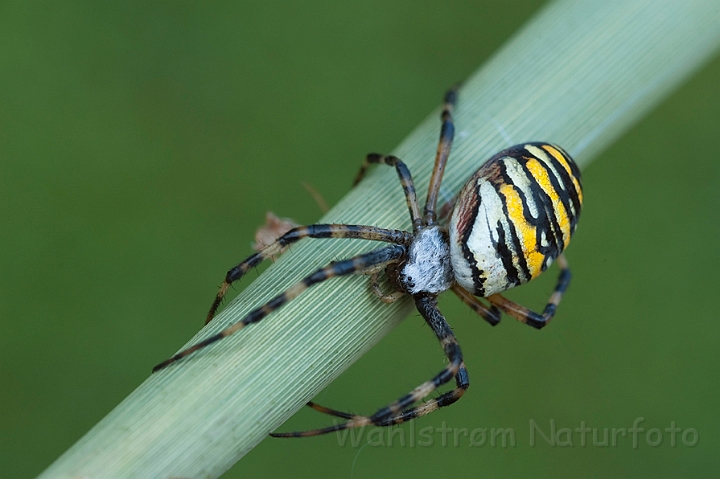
x=513, y=217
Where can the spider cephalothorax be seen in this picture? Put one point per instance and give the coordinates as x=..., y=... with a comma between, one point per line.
x=426, y=267
x=511, y=220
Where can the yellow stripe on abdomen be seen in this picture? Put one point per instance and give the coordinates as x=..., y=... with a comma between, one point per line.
x=563, y=161
x=527, y=232
x=541, y=176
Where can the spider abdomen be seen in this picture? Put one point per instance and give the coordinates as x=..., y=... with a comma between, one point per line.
x=513, y=217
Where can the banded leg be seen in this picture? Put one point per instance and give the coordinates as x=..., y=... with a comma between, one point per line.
x=446, y=211
x=406, y=181
x=462, y=383
x=341, y=268
x=427, y=305
x=523, y=314
x=329, y=411
x=447, y=133
x=491, y=314
x=312, y=231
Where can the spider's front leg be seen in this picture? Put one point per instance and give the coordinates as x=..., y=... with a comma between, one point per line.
x=401, y=410
x=340, y=268
x=312, y=231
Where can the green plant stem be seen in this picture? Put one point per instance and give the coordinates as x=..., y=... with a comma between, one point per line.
x=578, y=74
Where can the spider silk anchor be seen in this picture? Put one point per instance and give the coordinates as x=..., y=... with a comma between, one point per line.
x=511, y=220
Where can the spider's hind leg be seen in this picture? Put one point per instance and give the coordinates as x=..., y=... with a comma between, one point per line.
x=527, y=316
x=491, y=314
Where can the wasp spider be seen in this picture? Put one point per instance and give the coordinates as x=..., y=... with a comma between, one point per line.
x=512, y=218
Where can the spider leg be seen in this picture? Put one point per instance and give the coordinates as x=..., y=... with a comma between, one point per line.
x=427, y=306
x=491, y=314
x=329, y=411
x=447, y=133
x=462, y=382
x=340, y=268
x=406, y=181
x=446, y=210
x=445, y=399
x=312, y=231
x=532, y=318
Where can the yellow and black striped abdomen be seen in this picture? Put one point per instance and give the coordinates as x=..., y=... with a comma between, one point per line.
x=513, y=217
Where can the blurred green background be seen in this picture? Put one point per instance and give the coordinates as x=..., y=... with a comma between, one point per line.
x=142, y=143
